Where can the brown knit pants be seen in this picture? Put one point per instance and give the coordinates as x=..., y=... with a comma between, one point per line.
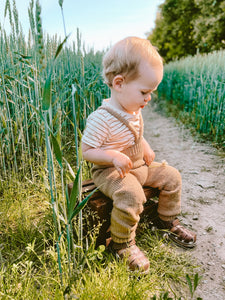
x=128, y=195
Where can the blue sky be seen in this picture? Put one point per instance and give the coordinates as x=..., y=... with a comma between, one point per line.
x=101, y=22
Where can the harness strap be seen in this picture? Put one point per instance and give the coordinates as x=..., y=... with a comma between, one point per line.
x=126, y=123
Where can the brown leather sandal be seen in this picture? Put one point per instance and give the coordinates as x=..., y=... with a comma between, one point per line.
x=134, y=257
x=179, y=234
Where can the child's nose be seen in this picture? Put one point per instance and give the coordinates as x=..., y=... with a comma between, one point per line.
x=148, y=97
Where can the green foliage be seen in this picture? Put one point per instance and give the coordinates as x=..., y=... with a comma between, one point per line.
x=193, y=286
x=47, y=94
x=195, y=86
x=173, y=32
x=30, y=84
x=163, y=296
x=185, y=27
x=209, y=25
x=79, y=206
x=29, y=260
x=74, y=203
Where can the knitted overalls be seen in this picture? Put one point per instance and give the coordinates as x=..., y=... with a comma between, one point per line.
x=127, y=193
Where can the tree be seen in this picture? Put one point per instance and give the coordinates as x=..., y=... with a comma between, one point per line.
x=184, y=27
x=173, y=32
x=209, y=27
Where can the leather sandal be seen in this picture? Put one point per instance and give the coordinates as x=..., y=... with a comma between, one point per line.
x=179, y=234
x=134, y=257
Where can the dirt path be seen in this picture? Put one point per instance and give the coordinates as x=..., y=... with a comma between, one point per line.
x=203, y=195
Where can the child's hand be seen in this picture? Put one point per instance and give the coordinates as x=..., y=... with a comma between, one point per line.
x=149, y=154
x=122, y=163
x=149, y=157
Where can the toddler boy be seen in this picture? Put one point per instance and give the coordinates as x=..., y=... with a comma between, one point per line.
x=123, y=160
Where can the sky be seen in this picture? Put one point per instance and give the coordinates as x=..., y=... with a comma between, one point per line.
x=101, y=22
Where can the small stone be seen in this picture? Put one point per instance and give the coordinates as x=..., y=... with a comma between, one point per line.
x=205, y=185
x=223, y=266
x=210, y=263
x=195, y=217
x=194, y=172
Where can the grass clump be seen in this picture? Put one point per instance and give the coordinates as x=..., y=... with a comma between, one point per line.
x=114, y=281
x=28, y=256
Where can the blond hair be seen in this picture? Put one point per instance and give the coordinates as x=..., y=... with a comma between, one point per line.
x=125, y=56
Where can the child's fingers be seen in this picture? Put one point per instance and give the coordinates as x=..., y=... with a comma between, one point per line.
x=120, y=172
x=130, y=165
x=148, y=160
x=123, y=167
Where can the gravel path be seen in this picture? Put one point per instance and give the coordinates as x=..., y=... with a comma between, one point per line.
x=203, y=195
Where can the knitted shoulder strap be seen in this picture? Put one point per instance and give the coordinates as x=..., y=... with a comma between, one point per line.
x=126, y=122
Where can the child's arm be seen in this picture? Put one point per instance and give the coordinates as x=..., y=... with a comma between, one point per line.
x=120, y=161
x=149, y=154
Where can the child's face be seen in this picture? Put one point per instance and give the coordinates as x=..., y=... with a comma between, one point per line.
x=136, y=93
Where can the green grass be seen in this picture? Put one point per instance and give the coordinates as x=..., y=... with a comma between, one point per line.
x=25, y=65
x=193, y=90
x=28, y=256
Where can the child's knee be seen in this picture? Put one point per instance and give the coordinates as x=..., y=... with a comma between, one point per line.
x=173, y=177
x=132, y=196
x=175, y=174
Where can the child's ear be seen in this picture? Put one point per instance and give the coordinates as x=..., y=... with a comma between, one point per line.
x=118, y=82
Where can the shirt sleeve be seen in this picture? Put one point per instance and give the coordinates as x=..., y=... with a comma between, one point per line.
x=96, y=130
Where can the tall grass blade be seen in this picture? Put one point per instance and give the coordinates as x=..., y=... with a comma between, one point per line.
x=197, y=278
x=57, y=151
x=46, y=102
x=189, y=284
x=59, y=49
x=74, y=194
x=50, y=173
x=59, y=262
x=81, y=205
x=75, y=124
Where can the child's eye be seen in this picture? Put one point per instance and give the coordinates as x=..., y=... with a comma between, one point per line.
x=146, y=93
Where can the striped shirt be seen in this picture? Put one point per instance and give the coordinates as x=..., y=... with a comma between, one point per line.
x=105, y=131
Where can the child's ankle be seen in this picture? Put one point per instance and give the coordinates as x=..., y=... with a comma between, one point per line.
x=167, y=218
x=118, y=246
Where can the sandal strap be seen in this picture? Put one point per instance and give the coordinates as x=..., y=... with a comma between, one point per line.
x=135, y=258
x=179, y=233
x=182, y=232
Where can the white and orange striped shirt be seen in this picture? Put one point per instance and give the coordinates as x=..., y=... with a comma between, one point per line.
x=105, y=131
